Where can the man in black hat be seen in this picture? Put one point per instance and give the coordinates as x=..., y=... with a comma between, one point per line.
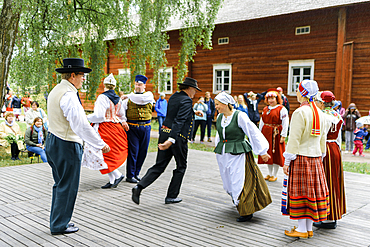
x=68, y=128
x=173, y=141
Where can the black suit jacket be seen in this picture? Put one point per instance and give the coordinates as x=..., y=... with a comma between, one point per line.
x=180, y=115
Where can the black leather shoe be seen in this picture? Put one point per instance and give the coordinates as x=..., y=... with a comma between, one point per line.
x=328, y=225
x=172, y=200
x=107, y=186
x=66, y=231
x=117, y=181
x=132, y=180
x=244, y=218
x=71, y=224
x=136, y=194
x=13, y=158
x=138, y=178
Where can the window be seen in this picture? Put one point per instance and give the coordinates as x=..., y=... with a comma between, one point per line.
x=221, y=78
x=302, y=30
x=165, y=81
x=85, y=84
x=299, y=70
x=166, y=47
x=124, y=80
x=223, y=41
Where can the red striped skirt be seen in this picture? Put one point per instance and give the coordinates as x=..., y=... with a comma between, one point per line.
x=335, y=180
x=308, y=194
x=115, y=136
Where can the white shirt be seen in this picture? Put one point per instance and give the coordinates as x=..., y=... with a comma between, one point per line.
x=75, y=115
x=102, y=103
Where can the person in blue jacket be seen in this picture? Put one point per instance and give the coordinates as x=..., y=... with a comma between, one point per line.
x=360, y=132
x=240, y=105
x=161, y=109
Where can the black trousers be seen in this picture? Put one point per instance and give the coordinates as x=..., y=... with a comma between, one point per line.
x=179, y=150
x=14, y=150
x=202, y=124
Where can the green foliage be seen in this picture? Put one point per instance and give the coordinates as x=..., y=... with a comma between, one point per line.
x=363, y=168
x=51, y=30
x=11, y=138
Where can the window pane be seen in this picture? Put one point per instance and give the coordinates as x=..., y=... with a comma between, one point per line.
x=226, y=73
x=306, y=78
x=226, y=87
x=218, y=73
x=307, y=71
x=296, y=71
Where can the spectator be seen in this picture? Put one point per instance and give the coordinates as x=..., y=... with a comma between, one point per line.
x=16, y=105
x=350, y=117
x=240, y=105
x=200, y=120
x=35, y=138
x=10, y=133
x=34, y=112
x=252, y=103
x=359, y=133
x=210, y=113
x=161, y=109
x=283, y=98
x=26, y=102
x=8, y=101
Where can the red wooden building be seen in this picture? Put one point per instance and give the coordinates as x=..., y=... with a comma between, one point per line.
x=262, y=44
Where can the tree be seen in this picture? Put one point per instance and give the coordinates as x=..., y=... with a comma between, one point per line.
x=50, y=30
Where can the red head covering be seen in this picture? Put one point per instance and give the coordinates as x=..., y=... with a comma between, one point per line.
x=327, y=96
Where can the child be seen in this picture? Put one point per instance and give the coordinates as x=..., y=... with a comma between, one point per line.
x=360, y=133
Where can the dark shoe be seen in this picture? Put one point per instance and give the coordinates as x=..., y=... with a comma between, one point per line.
x=71, y=229
x=17, y=158
x=138, y=178
x=244, y=218
x=132, y=180
x=136, y=194
x=107, y=186
x=329, y=225
x=13, y=158
x=209, y=140
x=71, y=224
x=172, y=200
x=117, y=181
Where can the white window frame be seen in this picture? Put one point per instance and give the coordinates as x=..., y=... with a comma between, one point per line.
x=167, y=70
x=83, y=88
x=223, y=41
x=223, y=67
x=299, y=64
x=302, y=30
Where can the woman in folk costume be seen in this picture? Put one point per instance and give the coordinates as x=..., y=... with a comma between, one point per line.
x=240, y=174
x=274, y=126
x=109, y=121
x=308, y=194
x=333, y=161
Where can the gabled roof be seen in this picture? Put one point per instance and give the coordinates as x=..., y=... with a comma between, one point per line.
x=242, y=10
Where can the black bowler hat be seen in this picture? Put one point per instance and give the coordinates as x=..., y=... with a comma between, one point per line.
x=73, y=65
x=190, y=82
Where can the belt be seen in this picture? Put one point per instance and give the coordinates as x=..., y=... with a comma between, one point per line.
x=274, y=134
x=138, y=123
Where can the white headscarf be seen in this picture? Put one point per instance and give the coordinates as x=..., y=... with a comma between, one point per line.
x=110, y=80
x=308, y=88
x=225, y=98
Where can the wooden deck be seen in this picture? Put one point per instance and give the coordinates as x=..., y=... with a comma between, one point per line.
x=206, y=217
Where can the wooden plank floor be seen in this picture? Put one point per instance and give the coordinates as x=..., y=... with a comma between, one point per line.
x=206, y=217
